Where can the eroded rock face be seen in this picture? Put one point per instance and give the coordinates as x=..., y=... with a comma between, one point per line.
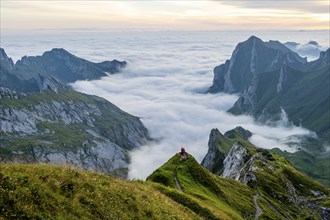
x=5, y=61
x=214, y=157
x=67, y=129
x=234, y=162
x=240, y=73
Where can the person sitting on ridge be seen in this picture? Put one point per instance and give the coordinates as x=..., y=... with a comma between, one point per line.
x=183, y=154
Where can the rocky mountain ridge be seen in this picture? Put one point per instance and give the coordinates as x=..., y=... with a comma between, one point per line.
x=270, y=77
x=272, y=177
x=57, y=63
x=52, y=123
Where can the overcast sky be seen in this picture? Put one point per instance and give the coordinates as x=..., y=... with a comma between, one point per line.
x=165, y=15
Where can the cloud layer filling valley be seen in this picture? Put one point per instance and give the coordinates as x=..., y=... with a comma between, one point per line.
x=163, y=84
x=165, y=87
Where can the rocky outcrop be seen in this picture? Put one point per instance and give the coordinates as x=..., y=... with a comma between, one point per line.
x=62, y=126
x=275, y=181
x=6, y=93
x=50, y=83
x=5, y=61
x=214, y=157
x=233, y=162
x=219, y=146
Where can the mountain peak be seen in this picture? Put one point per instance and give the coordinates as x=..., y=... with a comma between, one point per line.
x=58, y=52
x=253, y=38
x=64, y=66
x=249, y=59
x=245, y=134
x=5, y=60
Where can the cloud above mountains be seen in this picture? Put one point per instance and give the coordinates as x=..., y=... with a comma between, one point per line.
x=311, y=49
x=164, y=15
x=321, y=6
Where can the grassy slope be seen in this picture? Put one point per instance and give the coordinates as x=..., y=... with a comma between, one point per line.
x=43, y=191
x=317, y=168
x=226, y=198
x=274, y=177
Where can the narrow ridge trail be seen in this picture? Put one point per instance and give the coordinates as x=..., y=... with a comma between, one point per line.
x=177, y=184
x=258, y=209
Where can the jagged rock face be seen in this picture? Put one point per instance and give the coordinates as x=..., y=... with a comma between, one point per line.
x=5, y=61
x=50, y=83
x=93, y=135
x=233, y=162
x=219, y=147
x=214, y=157
x=248, y=60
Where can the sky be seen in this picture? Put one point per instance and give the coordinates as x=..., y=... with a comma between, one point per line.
x=165, y=15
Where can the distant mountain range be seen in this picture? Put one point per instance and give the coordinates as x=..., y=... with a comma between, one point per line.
x=45, y=121
x=24, y=76
x=270, y=78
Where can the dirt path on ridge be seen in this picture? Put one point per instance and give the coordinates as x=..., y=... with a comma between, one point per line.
x=258, y=209
x=177, y=184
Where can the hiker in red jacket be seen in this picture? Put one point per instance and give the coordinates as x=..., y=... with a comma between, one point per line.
x=183, y=154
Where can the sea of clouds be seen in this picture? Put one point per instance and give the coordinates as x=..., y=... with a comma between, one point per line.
x=165, y=83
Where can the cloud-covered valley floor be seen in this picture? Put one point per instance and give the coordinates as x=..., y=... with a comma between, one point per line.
x=165, y=85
